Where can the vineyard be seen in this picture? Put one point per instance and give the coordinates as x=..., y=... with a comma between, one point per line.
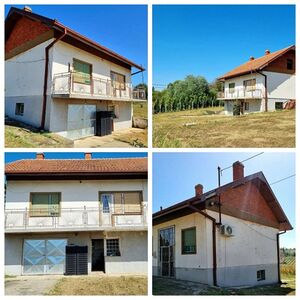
x=288, y=266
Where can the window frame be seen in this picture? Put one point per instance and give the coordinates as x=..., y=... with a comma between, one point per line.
x=261, y=275
x=249, y=88
x=76, y=72
x=18, y=111
x=231, y=89
x=290, y=64
x=44, y=216
x=281, y=104
x=118, y=250
x=120, y=84
x=182, y=240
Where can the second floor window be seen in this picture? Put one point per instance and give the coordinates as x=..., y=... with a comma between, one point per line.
x=82, y=72
x=231, y=87
x=250, y=85
x=118, y=80
x=289, y=64
x=44, y=204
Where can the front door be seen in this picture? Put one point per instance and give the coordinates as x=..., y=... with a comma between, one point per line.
x=98, y=255
x=167, y=243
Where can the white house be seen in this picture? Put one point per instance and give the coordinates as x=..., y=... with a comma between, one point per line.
x=266, y=83
x=225, y=237
x=56, y=79
x=54, y=205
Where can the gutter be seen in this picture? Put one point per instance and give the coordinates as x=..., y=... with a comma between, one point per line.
x=266, y=90
x=278, y=255
x=214, y=250
x=44, y=105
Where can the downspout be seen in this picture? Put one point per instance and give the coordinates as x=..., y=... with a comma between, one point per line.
x=278, y=255
x=46, y=78
x=266, y=90
x=214, y=243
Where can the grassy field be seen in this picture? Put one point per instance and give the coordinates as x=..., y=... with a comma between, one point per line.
x=140, y=110
x=209, y=127
x=136, y=139
x=123, y=285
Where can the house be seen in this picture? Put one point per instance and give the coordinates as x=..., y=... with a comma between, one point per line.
x=225, y=237
x=266, y=83
x=56, y=79
x=99, y=205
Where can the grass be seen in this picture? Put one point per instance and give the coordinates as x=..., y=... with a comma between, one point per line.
x=20, y=135
x=138, y=138
x=140, y=110
x=87, y=285
x=209, y=127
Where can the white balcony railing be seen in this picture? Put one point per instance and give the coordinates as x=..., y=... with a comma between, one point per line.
x=22, y=220
x=73, y=84
x=241, y=93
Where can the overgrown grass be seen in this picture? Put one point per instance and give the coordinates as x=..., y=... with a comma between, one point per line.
x=140, y=109
x=137, y=137
x=209, y=127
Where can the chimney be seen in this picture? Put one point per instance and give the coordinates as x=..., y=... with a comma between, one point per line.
x=251, y=58
x=27, y=8
x=267, y=52
x=198, y=190
x=40, y=156
x=238, y=170
x=87, y=156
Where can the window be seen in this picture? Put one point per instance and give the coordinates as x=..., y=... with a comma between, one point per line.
x=231, y=87
x=278, y=105
x=290, y=64
x=246, y=106
x=117, y=80
x=261, y=275
x=112, y=247
x=188, y=240
x=19, y=109
x=250, y=85
x=82, y=72
x=44, y=204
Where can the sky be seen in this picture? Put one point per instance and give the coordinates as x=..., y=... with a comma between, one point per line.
x=209, y=40
x=176, y=174
x=121, y=28
x=13, y=156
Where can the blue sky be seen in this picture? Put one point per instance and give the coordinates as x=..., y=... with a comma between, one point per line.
x=176, y=174
x=12, y=156
x=210, y=40
x=121, y=28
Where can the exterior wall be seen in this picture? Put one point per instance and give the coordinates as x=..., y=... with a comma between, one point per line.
x=133, y=248
x=74, y=193
x=194, y=267
x=254, y=106
x=24, y=80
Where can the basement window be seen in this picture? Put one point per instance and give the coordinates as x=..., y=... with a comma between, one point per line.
x=188, y=240
x=278, y=105
x=19, y=109
x=112, y=247
x=261, y=275
x=289, y=64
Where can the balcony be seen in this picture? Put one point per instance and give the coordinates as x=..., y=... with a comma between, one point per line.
x=75, y=219
x=241, y=93
x=74, y=85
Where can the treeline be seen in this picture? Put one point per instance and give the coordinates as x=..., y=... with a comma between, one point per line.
x=191, y=93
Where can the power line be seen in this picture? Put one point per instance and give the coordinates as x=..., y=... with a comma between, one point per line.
x=285, y=178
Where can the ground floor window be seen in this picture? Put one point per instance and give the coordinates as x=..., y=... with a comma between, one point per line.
x=112, y=247
x=19, y=109
x=188, y=239
x=261, y=275
x=246, y=106
x=278, y=105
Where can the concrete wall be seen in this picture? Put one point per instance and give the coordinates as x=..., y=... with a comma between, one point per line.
x=254, y=106
x=74, y=193
x=133, y=248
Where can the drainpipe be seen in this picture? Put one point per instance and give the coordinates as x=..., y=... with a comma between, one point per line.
x=278, y=255
x=46, y=78
x=219, y=198
x=266, y=90
x=214, y=244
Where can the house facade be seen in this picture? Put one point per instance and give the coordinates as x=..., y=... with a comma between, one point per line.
x=225, y=237
x=56, y=79
x=97, y=204
x=266, y=83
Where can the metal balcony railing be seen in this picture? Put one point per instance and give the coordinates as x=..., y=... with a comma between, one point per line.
x=22, y=220
x=76, y=84
x=241, y=93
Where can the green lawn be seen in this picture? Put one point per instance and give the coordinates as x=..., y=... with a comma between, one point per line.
x=210, y=128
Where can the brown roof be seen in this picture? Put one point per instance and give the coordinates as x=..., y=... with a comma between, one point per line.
x=257, y=64
x=72, y=166
x=14, y=13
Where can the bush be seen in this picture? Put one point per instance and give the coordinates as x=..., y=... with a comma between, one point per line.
x=236, y=109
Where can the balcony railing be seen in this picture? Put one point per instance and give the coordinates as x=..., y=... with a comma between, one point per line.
x=71, y=84
x=241, y=93
x=22, y=220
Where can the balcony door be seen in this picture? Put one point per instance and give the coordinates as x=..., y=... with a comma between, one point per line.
x=166, y=251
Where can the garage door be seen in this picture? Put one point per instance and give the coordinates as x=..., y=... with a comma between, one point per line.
x=44, y=256
x=81, y=120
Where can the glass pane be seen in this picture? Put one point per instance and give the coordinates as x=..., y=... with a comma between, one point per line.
x=118, y=207
x=189, y=240
x=132, y=202
x=106, y=200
